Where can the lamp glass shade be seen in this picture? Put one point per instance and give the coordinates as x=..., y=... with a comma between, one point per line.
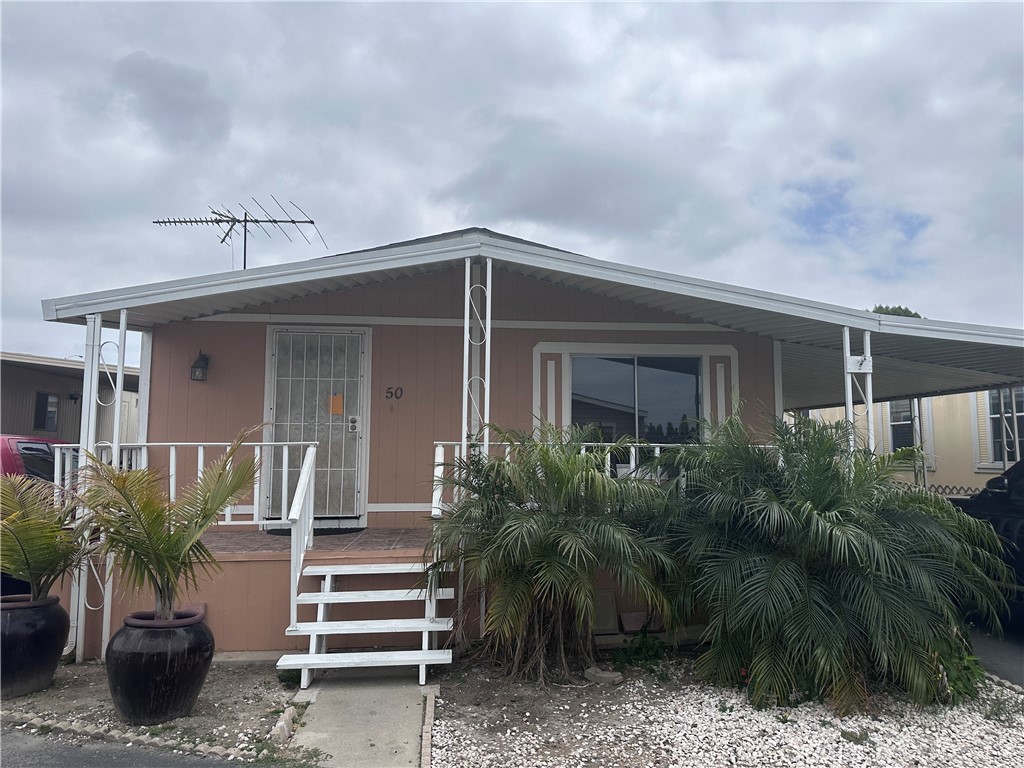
x=200, y=366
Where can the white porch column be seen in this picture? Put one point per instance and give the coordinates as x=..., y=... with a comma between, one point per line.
x=850, y=415
x=87, y=443
x=466, y=344
x=122, y=336
x=854, y=366
x=869, y=393
x=476, y=354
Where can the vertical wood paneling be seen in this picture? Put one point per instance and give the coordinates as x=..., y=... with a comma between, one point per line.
x=217, y=409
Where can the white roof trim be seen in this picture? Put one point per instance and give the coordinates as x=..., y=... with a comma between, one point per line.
x=435, y=252
x=69, y=307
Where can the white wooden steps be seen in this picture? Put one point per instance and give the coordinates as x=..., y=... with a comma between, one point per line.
x=329, y=594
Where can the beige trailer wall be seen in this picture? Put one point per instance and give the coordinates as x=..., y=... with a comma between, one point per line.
x=957, y=438
x=18, y=390
x=416, y=343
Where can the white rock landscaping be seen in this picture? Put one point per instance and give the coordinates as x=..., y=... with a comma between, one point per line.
x=679, y=724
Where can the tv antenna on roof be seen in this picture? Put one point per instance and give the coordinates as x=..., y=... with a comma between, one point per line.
x=227, y=220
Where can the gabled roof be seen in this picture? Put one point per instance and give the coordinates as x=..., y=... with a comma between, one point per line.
x=912, y=356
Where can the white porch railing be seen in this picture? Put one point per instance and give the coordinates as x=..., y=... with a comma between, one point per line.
x=273, y=489
x=446, y=452
x=300, y=519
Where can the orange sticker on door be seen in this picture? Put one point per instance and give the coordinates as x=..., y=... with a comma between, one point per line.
x=337, y=405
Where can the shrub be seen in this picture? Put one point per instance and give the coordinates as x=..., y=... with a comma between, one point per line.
x=533, y=529
x=821, y=573
x=42, y=537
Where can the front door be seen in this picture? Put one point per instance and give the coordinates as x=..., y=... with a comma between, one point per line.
x=318, y=395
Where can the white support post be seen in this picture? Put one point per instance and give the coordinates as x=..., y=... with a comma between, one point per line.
x=916, y=414
x=473, y=383
x=854, y=366
x=436, y=499
x=869, y=393
x=108, y=604
x=487, y=363
x=850, y=416
x=1004, y=427
x=1014, y=429
x=122, y=337
x=87, y=443
x=466, y=343
x=115, y=458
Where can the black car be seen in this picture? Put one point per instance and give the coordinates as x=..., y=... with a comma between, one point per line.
x=1001, y=503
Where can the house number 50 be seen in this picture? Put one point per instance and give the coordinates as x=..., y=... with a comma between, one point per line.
x=393, y=393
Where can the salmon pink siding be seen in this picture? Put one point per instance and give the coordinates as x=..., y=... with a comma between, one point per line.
x=423, y=356
x=181, y=410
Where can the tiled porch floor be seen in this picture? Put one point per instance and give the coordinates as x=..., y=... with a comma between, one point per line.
x=366, y=540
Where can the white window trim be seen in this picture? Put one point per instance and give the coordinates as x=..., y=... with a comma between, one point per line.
x=567, y=349
x=993, y=467
x=926, y=425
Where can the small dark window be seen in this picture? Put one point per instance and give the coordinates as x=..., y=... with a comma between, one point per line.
x=901, y=424
x=46, y=412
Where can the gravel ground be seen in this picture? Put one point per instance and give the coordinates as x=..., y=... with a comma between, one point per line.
x=482, y=721
x=237, y=708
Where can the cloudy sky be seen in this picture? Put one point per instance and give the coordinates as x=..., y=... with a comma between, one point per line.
x=855, y=154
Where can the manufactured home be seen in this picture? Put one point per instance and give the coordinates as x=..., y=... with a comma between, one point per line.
x=966, y=439
x=371, y=369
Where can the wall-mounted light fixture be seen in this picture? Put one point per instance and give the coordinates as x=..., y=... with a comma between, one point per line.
x=200, y=367
x=73, y=397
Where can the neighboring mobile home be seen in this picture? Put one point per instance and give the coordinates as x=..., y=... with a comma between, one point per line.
x=966, y=438
x=385, y=359
x=42, y=397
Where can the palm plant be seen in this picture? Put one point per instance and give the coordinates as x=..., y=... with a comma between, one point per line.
x=533, y=529
x=41, y=537
x=821, y=573
x=157, y=540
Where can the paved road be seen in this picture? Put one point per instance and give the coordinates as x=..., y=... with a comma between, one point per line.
x=23, y=750
x=1002, y=656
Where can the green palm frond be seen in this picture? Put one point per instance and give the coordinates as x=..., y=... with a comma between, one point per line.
x=535, y=528
x=157, y=541
x=42, y=536
x=820, y=570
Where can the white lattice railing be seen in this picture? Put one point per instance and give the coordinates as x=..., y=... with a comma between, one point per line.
x=279, y=470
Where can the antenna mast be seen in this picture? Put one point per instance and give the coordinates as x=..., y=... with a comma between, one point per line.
x=227, y=220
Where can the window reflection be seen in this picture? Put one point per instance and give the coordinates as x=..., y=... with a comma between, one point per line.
x=654, y=398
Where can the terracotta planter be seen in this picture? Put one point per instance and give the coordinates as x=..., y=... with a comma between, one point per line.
x=32, y=638
x=155, y=668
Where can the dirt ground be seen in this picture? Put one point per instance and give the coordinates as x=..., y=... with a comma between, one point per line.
x=238, y=705
x=479, y=694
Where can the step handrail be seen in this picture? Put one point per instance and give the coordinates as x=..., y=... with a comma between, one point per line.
x=300, y=521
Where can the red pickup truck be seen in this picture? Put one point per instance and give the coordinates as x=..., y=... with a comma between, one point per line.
x=26, y=455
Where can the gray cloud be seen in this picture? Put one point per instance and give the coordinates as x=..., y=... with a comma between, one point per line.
x=699, y=138
x=174, y=101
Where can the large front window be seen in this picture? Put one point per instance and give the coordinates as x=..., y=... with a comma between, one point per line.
x=654, y=398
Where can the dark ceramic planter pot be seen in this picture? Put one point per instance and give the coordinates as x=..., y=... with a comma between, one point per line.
x=32, y=638
x=157, y=668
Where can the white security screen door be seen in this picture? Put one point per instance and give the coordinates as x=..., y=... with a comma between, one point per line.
x=318, y=395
